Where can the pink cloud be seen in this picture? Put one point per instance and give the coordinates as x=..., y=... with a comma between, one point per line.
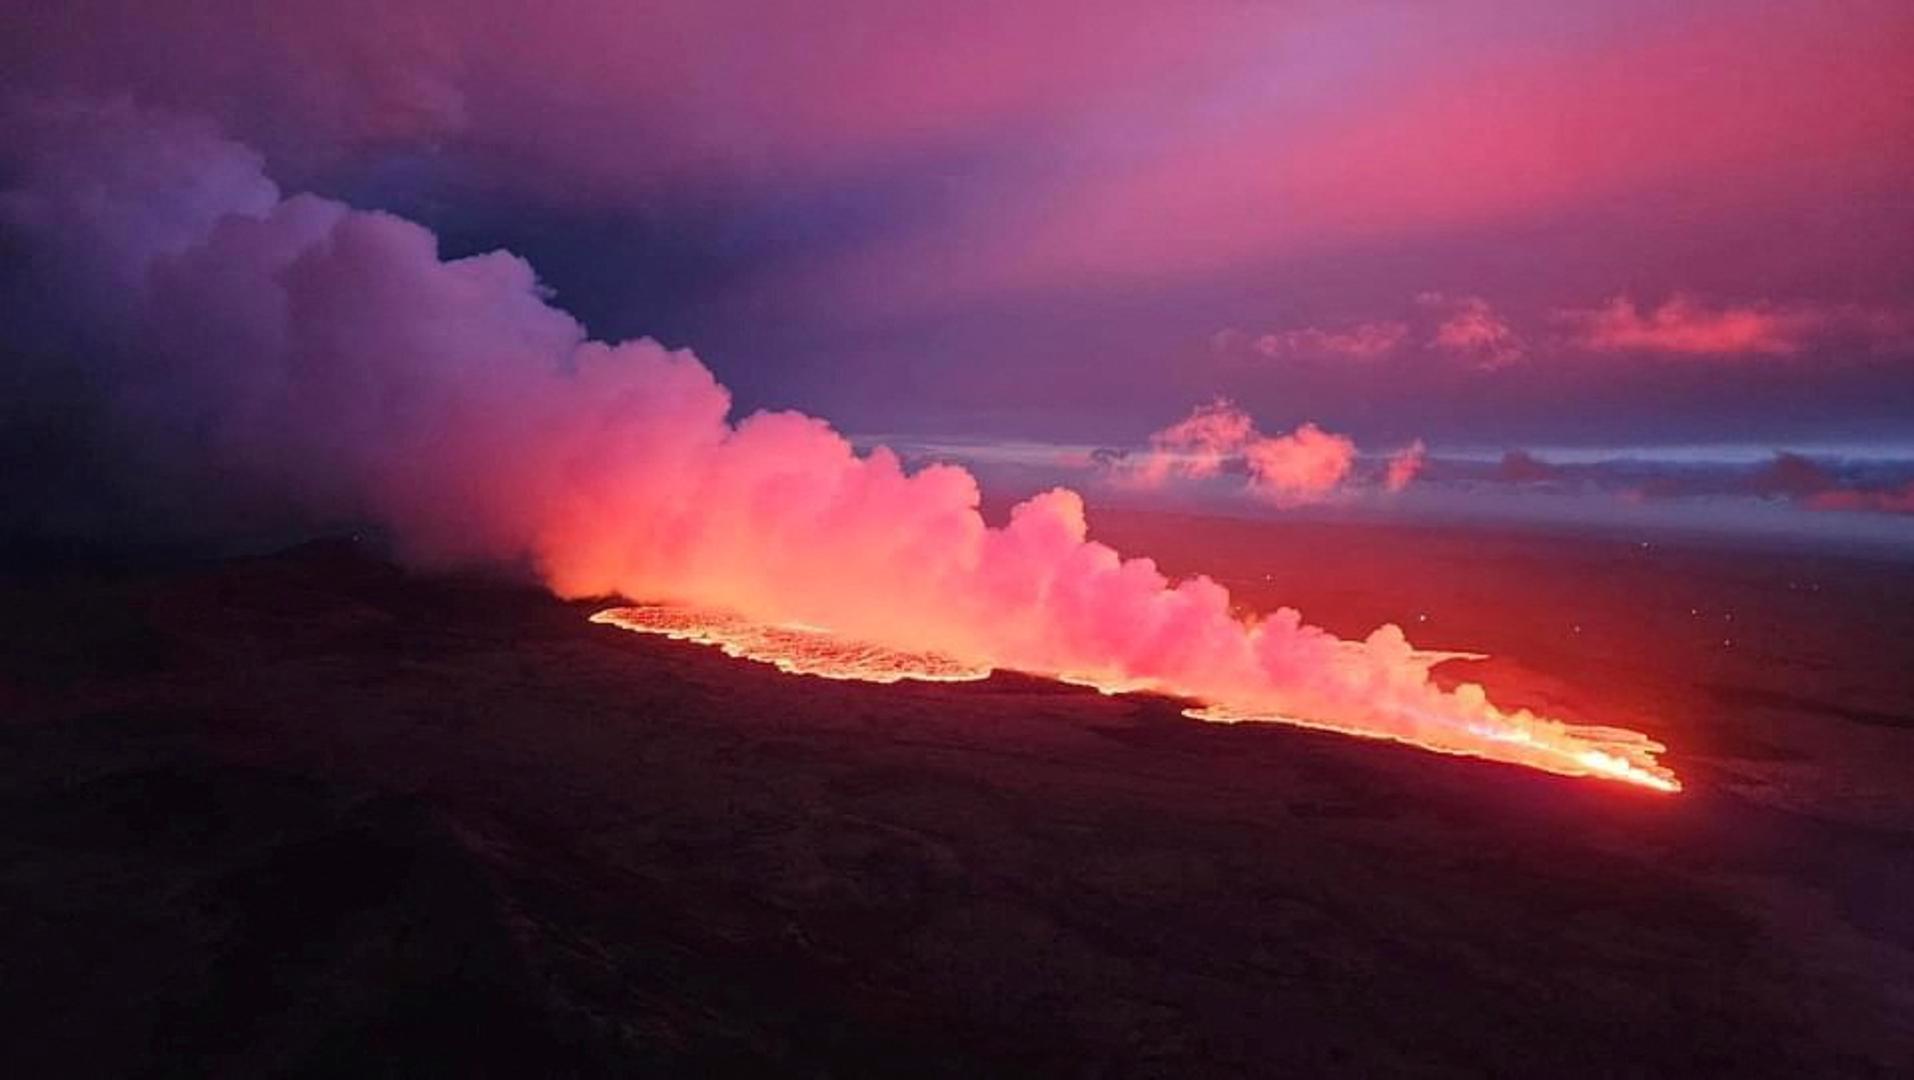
x=1303, y=466
x=1365, y=341
x=1685, y=326
x=1405, y=466
x=1472, y=330
x=1196, y=446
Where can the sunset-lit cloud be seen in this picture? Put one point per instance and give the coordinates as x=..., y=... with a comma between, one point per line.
x=1302, y=466
x=1471, y=330
x=1470, y=333
x=1685, y=326
x=1197, y=446
x=1364, y=341
x=1404, y=466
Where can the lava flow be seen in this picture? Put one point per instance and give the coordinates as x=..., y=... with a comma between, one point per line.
x=1519, y=738
x=793, y=648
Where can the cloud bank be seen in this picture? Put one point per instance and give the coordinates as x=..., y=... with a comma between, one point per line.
x=1685, y=326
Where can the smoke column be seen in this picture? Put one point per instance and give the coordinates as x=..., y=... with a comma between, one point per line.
x=260, y=358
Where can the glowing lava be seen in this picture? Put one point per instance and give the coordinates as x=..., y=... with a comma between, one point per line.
x=1519, y=738
x=793, y=649
x=1567, y=750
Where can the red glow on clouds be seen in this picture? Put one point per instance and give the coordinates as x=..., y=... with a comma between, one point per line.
x=1471, y=329
x=1198, y=445
x=1685, y=326
x=1303, y=465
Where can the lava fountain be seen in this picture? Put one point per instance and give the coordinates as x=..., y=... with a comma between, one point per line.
x=800, y=649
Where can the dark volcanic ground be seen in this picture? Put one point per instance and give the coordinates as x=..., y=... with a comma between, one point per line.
x=310, y=814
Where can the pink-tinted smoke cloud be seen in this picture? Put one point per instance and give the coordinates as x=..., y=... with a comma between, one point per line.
x=1685, y=326
x=1405, y=466
x=1365, y=341
x=1305, y=465
x=1472, y=330
x=294, y=349
x=1197, y=446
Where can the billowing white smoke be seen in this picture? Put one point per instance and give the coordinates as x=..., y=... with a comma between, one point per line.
x=298, y=352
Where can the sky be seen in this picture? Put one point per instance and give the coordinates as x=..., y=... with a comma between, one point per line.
x=1485, y=227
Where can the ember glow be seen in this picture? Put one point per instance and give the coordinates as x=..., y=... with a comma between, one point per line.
x=1520, y=738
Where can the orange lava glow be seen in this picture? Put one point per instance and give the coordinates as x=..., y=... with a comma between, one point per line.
x=792, y=649
x=1519, y=738
x=1571, y=751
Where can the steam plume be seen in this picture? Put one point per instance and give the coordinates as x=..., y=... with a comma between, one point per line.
x=295, y=356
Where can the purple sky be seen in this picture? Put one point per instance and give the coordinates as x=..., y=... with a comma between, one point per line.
x=1485, y=225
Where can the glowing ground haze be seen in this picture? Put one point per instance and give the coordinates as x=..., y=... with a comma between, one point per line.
x=1521, y=739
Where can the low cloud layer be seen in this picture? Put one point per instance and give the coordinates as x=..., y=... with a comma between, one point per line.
x=1471, y=333
x=1788, y=478
x=1363, y=341
x=1683, y=325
